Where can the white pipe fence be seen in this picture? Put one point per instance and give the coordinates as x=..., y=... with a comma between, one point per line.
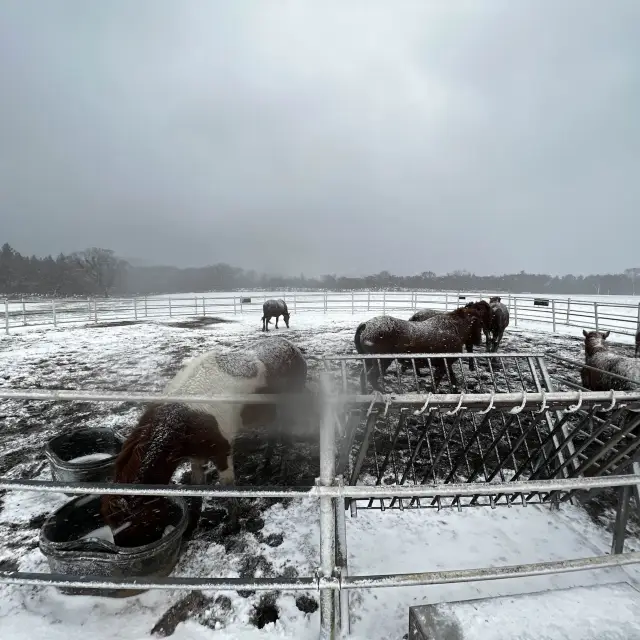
x=618, y=317
x=330, y=578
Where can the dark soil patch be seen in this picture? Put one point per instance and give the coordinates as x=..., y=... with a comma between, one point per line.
x=198, y=323
x=8, y=564
x=265, y=612
x=307, y=604
x=115, y=323
x=189, y=606
x=274, y=539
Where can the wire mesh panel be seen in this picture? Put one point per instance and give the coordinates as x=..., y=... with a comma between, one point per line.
x=606, y=442
x=387, y=443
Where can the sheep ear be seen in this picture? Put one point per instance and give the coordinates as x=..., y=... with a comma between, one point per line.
x=584, y=333
x=605, y=335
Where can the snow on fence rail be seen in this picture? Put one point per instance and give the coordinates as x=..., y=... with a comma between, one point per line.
x=332, y=578
x=618, y=317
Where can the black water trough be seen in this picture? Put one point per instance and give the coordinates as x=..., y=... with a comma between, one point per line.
x=66, y=542
x=84, y=455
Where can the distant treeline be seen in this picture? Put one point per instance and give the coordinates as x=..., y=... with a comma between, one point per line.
x=99, y=272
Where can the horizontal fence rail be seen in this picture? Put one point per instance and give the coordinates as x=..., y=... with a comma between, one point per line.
x=444, y=400
x=621, y=318
x=332, y=491
x=336, y=583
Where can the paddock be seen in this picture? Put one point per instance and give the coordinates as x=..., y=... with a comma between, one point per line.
x=395, y=525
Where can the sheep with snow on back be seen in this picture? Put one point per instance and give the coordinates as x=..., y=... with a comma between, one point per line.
x=599, y=355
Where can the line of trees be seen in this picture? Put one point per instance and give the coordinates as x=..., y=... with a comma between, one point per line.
x=100, y=272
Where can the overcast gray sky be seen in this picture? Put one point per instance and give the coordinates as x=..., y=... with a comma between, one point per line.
x=327, y=136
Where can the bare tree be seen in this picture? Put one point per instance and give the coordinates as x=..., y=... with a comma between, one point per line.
x=102, y=267
x=633, y=274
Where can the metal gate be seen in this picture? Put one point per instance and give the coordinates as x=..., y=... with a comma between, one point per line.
x=394, y=443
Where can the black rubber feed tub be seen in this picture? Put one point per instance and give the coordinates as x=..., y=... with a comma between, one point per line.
x=70, y=550
x=84, y=455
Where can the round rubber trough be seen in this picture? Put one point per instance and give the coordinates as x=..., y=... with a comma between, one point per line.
x=67, y=542
x=84, y=455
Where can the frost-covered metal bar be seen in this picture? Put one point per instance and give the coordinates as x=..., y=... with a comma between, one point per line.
x=414, y=356
x=175, y=582
x=491, y=573
x=327, y=479
x=336, y=491
x=333, y=583
x=446, y=400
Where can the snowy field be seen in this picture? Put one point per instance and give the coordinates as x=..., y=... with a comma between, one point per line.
x=276, y=538
x=619, y=314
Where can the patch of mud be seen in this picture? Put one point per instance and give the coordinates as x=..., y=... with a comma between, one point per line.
x=191, y=605
x=265, y=612
x=306, y=604
x=602, y=508
x=198, y=323
x=115, y=323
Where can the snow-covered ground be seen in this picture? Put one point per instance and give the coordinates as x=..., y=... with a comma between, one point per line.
x=275, y=538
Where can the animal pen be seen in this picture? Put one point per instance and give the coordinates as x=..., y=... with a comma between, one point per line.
x=505, y=438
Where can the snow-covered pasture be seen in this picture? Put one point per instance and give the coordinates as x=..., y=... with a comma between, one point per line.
x=276, y=538
x=563, y=314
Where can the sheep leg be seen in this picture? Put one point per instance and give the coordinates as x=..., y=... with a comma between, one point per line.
x=228, y=479
x=497, y=341
x=198, y=477
x=472, y=361
x=454, y=380
x=376, y=373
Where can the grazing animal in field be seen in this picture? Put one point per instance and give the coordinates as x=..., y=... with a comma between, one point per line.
x=274, y=309
x=169, y=434
x=598, y=355
x=424, y=314
x=638, y=343
x=499, y=322
x=444, y=333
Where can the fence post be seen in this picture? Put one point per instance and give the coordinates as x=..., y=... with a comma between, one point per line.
x=595, y=313
x=638, y=324
x=145, y=307
x=24, y=313
x=170, y=312
x=327, y=511
x=6, y=316
x=446, y=301
x=384, y=303
x=295, y=304
x=95, y=310
x=135, y=308
x=326, y=301
x=342, y=599
x=515, y=311
x=353, y=303
x=53, y=313
x=204, y=311
x=195, y=301
x=553, y=314
x=234, y=306
x=369, y=301
x=568, y=310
